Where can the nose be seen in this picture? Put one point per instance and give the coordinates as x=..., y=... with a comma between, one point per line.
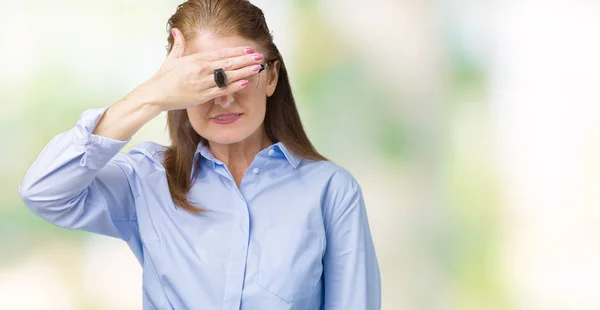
x=224, y=100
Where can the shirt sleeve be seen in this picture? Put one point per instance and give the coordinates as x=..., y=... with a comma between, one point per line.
x=81, y=181
x=351, y=272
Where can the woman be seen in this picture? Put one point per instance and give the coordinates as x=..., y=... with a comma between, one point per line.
x=240, y=212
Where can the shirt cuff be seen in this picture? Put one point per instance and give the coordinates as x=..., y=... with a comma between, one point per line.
x=97, y=150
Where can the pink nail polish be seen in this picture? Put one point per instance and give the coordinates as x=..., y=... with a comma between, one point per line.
x=256, y=68
x=249, y=50
x=244, y=83
x=258, y=57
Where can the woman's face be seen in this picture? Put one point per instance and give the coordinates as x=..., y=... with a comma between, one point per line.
x=251, y=101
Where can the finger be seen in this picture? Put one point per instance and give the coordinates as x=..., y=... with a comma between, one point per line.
x=215, y=91
x=234, y=63
x=232, y=75
x=224, y=53
x=242, y=73
x=178, y=49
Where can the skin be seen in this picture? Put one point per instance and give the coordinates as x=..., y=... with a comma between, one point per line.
x=185, y=81
x=234, y=144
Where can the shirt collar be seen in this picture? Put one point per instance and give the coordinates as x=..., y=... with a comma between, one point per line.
x=204, y=150
x=292, y=158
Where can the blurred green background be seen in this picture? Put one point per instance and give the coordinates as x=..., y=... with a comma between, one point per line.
x=473, y=128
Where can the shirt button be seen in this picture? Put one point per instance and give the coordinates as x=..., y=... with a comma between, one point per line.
x=271, y=152
x=255, y=170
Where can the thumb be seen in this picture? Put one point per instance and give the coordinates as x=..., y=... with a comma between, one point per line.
x=178, y=44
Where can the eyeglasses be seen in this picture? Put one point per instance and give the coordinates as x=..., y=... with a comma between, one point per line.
x=264, y=66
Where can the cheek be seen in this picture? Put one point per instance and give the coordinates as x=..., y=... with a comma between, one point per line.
x=254, y=106
x=198, y=115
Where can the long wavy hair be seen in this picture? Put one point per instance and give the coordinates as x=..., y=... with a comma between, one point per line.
x=282, y=121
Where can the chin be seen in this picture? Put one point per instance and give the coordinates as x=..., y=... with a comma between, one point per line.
x=227, y=134
x=227, y=137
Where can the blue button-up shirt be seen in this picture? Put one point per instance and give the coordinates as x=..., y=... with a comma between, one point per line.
x=294, y=235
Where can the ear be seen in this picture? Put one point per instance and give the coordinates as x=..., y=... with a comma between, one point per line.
x=273, y=77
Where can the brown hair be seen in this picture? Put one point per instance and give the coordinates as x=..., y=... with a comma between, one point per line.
x=282, y=121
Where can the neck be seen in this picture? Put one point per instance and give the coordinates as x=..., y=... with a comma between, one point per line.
x=239, y=155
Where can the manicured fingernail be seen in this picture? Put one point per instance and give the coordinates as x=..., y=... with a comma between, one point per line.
x=249, y=50
x=256, y=68
x=258, y=57
x=244, y=83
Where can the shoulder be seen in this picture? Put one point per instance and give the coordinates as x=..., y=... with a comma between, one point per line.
x=149, y=150
x=342, y=195
x=337, y=179
x=145, y=157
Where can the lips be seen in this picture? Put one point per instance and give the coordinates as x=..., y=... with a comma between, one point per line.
x=226, y=116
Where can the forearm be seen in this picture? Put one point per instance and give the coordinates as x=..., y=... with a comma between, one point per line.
x=124, y=118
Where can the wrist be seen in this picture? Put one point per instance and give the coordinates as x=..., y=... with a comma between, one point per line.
x=123, y=119
x=145, y=101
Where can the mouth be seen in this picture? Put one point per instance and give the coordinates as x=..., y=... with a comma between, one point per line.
x=226, y=118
